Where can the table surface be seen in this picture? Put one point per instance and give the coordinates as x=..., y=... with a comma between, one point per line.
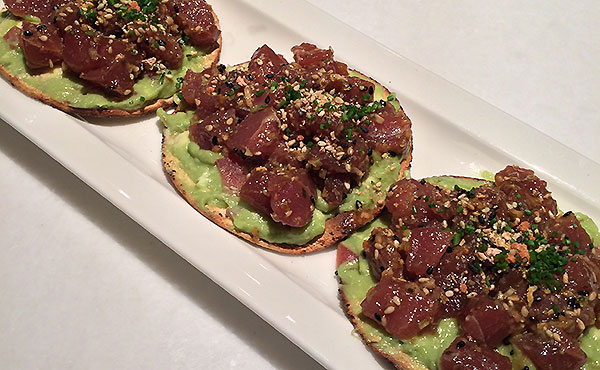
x=83, y=286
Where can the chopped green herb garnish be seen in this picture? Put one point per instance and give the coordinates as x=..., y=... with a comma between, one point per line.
x=456, y=238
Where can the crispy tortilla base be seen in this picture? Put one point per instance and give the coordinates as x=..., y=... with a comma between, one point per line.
x=64, y=106
x=400, y=360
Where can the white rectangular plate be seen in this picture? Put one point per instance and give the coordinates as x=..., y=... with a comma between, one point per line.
x=455, y=133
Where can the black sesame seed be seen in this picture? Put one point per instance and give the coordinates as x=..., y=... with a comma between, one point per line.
x=449, y=250
x=533, y=319
x=371, y=90
x=377, y=316
x=269, y=75
x=250, y=77
x=392, y=153
x=460, y=344
x=492, y=215
x=372, y=238
x=512, y=352
x=221, y=68
x=161, y=42
x=118, y=32
x=176, y=8
x=583, y=293
x=429, y=270
x=268, y=99
x=481, y=219
x=525, y=367
x=27, y=33
x=214, y=140
x=364, y=129
x=344, y=157
x=364, y=254
x=573, y=304
x=422, y=182
x=41, y=27
x=568, y=214
x=370, y=152
x=358, y=204
x=229, y=84
x=147, y=42
x=381, y=268
x=472, y=267
x=383, y=103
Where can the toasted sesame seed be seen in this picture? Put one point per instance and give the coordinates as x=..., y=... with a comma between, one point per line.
x=389, y=310
x=449, y=293
x=396, y=300
x=580, y=324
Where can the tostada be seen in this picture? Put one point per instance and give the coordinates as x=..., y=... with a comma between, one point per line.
x=290, y=156
x=105, y=57
x=472, y=274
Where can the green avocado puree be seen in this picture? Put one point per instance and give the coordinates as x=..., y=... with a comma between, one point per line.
x=426, y=349
x=63, y=87
x=203, y=183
